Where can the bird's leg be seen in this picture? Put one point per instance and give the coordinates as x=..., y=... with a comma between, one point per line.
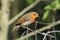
x=35, y=30
x=27, y=33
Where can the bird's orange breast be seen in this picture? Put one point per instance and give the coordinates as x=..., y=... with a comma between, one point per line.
x=33, y=18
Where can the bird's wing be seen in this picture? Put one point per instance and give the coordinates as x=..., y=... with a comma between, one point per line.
x=23, y=19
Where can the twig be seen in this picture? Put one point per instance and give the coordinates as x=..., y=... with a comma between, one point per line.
x=53, y=31
x=41, y=29
x=23, y=11
x=23, y=34
x=53, y=18
x=35, y=30
x=27, y=33
x=39, y=32
x=45, y=36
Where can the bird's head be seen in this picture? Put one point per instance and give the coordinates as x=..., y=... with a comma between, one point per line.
x=34, y=15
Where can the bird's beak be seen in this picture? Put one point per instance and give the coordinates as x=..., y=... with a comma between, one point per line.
x=38, y=18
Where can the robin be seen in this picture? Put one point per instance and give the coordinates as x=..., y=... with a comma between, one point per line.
x=26, y=20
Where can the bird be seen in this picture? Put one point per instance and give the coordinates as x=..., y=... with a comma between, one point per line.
x=26, y=20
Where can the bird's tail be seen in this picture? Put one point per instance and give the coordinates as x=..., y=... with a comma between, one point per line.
x=15, y=28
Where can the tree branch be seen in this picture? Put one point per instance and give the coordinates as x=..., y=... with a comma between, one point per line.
x=40, y=30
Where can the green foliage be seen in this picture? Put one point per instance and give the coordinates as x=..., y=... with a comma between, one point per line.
x=53, y=6
x=45, y=15
x=30, y=1
x=48, y=7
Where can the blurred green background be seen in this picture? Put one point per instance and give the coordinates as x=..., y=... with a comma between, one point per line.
x=48, y=10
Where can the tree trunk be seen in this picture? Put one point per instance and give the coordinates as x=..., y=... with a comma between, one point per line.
x=4, y=19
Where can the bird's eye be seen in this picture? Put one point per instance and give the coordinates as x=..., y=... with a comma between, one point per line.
x=34, y=14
